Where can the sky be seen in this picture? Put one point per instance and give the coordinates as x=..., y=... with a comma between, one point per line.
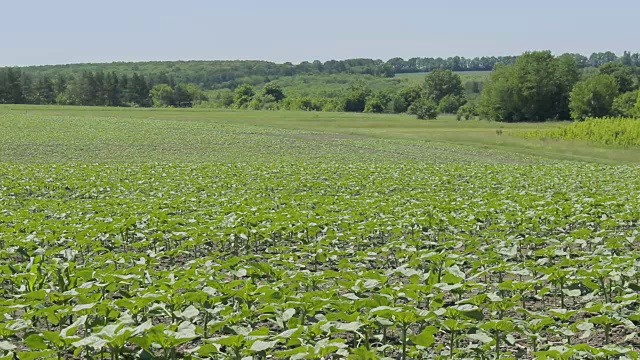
x=39, y=32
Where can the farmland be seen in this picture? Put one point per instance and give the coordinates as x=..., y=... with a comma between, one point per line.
x=173, y=234
x=464, y=75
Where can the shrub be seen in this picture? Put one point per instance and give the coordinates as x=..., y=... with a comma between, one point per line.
x=450, y=104
x=467, y=112
x=625, y=104
x=424, y=109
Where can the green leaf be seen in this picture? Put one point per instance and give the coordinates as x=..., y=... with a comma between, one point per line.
x=7, y=346
x=36, y=342
x=33, y=355
x=260, y=345
x=288, y=314
x=93, y=341
x=232, y=341
x=481, y=336
x=352, y=326
x=425, y=338
x=189, y=313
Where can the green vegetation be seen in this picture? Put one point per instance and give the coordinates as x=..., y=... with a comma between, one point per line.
x=531, y=87
x=535, y=88
x=199, y=234
x=593, y=97
x=465, y=76
x=94, y=134
x=609, y=131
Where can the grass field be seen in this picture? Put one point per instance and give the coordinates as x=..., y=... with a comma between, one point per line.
x=195, y=234
x=50, y=134
x=464, y=76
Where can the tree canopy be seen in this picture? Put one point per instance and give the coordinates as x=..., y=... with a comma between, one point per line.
x=593, y=97
x=535, y=88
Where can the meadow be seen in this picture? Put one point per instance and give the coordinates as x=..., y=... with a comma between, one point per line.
x=198, y=234
x=464, y=76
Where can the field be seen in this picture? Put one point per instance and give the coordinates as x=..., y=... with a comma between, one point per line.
x=609, y=131
x=464, y=76
x=199, y=234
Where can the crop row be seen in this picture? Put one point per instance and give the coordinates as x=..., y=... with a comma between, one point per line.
x=319, y=260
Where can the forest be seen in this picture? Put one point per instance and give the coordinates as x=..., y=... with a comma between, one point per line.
x=536, y=86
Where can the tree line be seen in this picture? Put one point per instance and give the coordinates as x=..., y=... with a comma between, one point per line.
x=210, y=75
x=538, y=86
x=541, y=87
x=95, y=89
x=441, y=92
x=535, y=86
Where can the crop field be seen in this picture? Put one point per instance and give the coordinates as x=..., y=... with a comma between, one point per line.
x=610, y=131
x=167, y=234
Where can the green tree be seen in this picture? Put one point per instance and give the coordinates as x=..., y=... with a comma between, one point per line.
x=263, y=101
x=27, y=89
x=623, y=74
x=450, y=104
x=568, y=75
x=424, y=109
x=226, y=98
x=44, y=91
x=188, y=94
x=355, y=99
x=163, y=95
x=535, y=88
x=274, y=90
x=82, y=90
x=376, y=103
x=14, y=86
x=593, y=97
x=440, y=83
x=243, y=95
x=60, y=84
x=625, y=104
x=11, y=86
x=139, y=91
x=467, y=112
x=113, y=89
x=99, y=89
x=404, y=98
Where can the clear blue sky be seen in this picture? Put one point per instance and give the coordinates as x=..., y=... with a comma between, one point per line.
x=72, y=31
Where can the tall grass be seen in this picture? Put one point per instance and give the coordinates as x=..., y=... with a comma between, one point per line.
x=608, y=131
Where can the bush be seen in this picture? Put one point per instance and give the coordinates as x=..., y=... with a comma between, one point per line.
x=332, y=105
x=450, y=104
x=263, y=102
x=303, y=103
x=243, y=95
x=163, y=95
x=625, y=104
x=274, y=90
x=424, y=109
x=467, y=112
x=374, y=105
x=399, y=104
x=377, y=103
x=355, y=99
